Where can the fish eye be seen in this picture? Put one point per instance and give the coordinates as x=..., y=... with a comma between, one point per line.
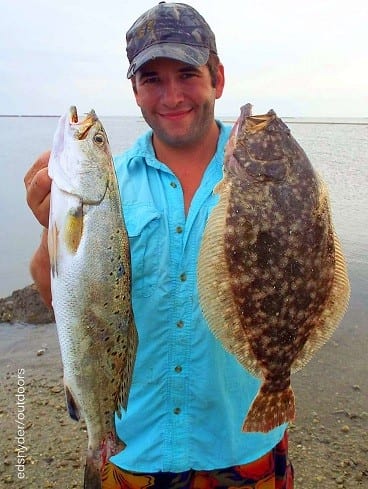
x=99, y=139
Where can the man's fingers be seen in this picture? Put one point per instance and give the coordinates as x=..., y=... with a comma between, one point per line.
x=38, y=185
x=38, y=188
x=42, y=211
x=38, y=196
x=40, y=163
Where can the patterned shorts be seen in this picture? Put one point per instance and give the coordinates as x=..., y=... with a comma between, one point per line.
x=272, y=471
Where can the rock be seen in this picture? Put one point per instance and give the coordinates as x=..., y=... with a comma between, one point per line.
x=8, y=479
x=25, y=306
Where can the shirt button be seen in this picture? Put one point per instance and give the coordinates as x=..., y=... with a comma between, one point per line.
x=173, y=184
x=179, y=229
x=178, y=369
x=177, y=410
x=180, y=324
x=183, y=277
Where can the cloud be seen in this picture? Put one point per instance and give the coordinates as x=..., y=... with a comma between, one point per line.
x=306, y=59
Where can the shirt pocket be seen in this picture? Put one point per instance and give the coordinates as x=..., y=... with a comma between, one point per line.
x=143, y=228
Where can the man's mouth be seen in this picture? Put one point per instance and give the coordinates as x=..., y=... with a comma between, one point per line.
x=178, y=114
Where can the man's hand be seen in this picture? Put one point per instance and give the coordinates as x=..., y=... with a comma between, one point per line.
x=38, y=185
x=40, y=270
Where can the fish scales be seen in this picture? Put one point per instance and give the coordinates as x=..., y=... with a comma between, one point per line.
x=272, y=279
x=90, y=281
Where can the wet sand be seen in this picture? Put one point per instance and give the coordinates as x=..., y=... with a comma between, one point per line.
x=328, y=442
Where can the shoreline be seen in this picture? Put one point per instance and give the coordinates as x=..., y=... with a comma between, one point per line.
x=328, y=440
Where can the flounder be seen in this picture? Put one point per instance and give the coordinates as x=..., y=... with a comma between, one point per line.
x=272, y=278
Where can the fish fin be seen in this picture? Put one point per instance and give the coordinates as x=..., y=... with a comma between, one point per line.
x=72, y=405
x=269, y=410
x=97, y=459
x=52, y=241
x=336, y=303
x=73, y=229
x=92, y=474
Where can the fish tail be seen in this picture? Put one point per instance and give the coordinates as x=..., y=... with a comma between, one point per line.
x=92, y=473
x=97, y=459
x=270, y=409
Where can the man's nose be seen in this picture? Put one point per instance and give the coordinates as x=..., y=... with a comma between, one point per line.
x=172, y=93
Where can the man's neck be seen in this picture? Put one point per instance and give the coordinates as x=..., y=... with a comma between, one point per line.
x=189, y=156
x=189, y=163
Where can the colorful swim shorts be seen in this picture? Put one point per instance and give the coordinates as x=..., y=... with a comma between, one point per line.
x=272, y=471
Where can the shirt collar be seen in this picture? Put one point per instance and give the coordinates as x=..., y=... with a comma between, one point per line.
x=144, y=147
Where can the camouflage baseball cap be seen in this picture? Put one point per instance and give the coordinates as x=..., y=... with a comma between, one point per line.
x=169, y=30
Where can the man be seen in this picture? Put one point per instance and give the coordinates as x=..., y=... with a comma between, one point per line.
x=188, y=397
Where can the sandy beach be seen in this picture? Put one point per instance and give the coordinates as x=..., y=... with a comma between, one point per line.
x=328, y=442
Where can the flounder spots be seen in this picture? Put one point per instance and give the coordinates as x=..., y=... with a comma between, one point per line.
x=272, y=282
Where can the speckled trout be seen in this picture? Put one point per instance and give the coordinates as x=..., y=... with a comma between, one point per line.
x=90, y=283
x=272, y=278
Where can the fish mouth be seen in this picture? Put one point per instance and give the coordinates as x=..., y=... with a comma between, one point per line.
x=257, y=123
x=254, y=123
x=84, y=125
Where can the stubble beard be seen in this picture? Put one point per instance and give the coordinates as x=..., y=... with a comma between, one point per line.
x=195, y=133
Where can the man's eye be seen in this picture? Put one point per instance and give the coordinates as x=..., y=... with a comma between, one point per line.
x=151, y=79
x=186, y=76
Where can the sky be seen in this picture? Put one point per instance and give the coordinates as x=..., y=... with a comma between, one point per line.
x=301, y=58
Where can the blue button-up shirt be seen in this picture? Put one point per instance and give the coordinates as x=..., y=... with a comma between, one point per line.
x=189, y=396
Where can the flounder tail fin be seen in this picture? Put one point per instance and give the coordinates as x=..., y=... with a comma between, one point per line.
x=270, y=409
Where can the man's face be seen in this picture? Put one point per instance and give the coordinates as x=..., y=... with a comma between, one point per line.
x=177, y=100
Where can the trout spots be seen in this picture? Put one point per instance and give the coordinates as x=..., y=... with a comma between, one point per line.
x=118, y=274
x=121, y=270
x=73, y=229
x=88, y=299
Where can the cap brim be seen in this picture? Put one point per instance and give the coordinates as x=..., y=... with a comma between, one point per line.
x=193, y=55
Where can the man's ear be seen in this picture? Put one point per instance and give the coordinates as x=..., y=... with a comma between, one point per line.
x=220, y=81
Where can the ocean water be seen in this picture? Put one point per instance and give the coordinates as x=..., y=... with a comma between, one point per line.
x=22, y=140
x=338, y=149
